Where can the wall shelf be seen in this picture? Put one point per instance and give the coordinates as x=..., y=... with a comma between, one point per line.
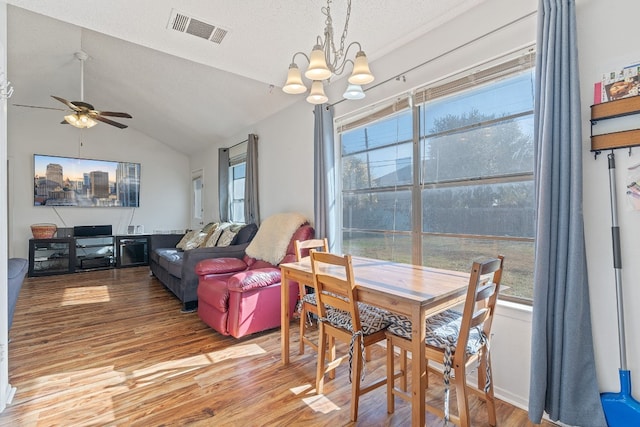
x=611, y=110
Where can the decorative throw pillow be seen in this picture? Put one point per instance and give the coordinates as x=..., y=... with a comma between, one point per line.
x=235, y=227
x=188, y=236
x=226, y=238
x=210, y=228
x=213, y=237
x=195, y=241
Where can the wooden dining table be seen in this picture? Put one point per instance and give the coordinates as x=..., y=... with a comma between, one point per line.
x=413, y=290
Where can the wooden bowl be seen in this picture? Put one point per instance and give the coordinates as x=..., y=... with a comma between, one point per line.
x=43, y=231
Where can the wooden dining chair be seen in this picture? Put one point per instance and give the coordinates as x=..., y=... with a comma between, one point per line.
x=342, y=317
x=446, y=334
x=308, y=304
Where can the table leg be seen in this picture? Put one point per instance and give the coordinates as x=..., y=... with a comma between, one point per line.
x=418, y=371
x=284, y=320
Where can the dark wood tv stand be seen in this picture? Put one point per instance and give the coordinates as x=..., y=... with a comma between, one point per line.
x=84, y=253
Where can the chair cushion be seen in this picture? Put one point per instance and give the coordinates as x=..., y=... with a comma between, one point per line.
x=170, y=254
x=372, y=319
x=175, y=268
x=219, y=266
x=254, y=279
x=310, y=299
x=441, y=329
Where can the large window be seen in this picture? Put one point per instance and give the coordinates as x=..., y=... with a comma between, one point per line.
x=237, y=168
x=446, y=176
x=236, y=190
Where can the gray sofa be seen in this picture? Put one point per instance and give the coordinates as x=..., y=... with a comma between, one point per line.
x=17, y=270
x=175, y=268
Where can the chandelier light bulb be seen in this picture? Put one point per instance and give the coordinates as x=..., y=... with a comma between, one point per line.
x=318, y=69
x=294, y=84
x=353, y=92
x=317, y=96
x=361, y=74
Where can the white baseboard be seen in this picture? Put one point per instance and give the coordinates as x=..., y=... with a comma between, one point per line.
x=10, y=392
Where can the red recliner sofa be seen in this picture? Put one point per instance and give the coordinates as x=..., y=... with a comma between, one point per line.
x=239, y=297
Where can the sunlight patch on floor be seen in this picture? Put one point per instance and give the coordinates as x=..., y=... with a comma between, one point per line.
x=54, y=390
x=320, y=403
x=300, y=389
x=172, y=368
x=85, y=295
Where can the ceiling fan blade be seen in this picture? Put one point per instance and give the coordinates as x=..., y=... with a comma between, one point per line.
x=115, y=114
x=65, y=102
x=35, y=106
x=107, y=121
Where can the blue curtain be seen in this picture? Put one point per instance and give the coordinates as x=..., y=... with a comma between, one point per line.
x=223, y=184
x=563, y=376
x=251, y=197
x=325, y=209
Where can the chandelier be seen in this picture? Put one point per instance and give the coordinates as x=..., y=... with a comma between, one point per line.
x=326, y=60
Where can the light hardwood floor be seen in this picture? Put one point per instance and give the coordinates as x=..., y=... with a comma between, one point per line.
x=111, y=348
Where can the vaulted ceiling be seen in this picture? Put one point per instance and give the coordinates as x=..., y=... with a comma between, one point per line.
x=182, y=90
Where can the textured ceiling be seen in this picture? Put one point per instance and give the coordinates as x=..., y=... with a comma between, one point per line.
x=182, y=90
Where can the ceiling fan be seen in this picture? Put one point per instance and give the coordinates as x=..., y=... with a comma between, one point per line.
x=81, y=114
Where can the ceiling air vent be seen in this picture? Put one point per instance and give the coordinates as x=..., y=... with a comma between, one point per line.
x=187, y=24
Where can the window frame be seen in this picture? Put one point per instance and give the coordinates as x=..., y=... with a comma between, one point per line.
x=237, y=157
x=413, y=102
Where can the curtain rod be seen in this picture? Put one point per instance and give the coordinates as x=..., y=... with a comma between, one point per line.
x=450, y=51
x=423, y=86
x=235, y=145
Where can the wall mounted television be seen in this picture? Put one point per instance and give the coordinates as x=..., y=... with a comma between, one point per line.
x=70, y=181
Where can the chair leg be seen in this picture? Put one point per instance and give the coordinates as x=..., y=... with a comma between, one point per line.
x=485, y=360
x=460, y=382
x=332, y=355
x=403, y=369
x=303, y=327
x=320, y=369
x=355, y=380
x=391, y=376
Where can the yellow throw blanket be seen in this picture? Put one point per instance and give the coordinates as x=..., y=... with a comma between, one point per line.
x=273, y=237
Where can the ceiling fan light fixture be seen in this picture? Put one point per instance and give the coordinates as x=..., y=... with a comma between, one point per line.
x=81, y=121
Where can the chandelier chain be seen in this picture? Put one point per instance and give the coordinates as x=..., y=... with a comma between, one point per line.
x=337, y=53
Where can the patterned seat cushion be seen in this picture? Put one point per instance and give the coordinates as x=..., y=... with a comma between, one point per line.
x=372, y=319
x=441, y=329
x=310, y=299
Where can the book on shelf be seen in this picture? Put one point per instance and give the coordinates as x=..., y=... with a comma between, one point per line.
x=619, y=84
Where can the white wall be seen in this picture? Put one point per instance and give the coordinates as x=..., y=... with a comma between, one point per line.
x=5, y=387
x=286, y=165
x=164, y=186
x=605, y=45
x=286, y=148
